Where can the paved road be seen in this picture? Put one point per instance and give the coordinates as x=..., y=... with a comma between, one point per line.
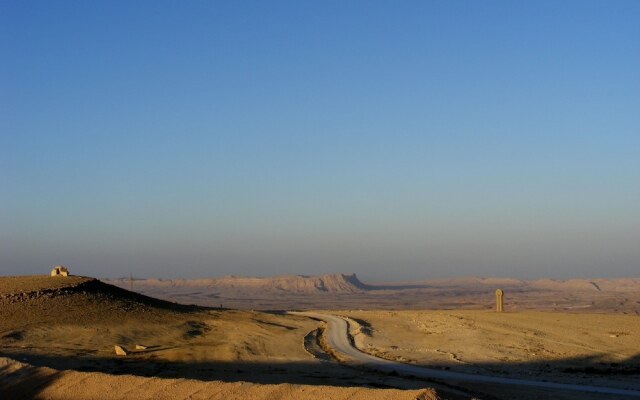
x=337, y=338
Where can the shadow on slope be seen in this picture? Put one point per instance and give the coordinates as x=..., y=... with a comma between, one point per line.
x=327, y=373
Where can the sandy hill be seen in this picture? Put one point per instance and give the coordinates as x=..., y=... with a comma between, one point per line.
x=23, y=381
x=40, y=299
x=57, y=338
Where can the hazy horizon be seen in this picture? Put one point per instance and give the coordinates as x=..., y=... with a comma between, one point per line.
x=399, y=141
x=362, y=278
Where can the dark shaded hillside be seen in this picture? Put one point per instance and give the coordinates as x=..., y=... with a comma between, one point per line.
x=76, y=299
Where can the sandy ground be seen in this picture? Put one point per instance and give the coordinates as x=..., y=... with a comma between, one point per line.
x=22, y=381
x=62, y=332
x=89, y=323
x=590, y=349
x=72, y=324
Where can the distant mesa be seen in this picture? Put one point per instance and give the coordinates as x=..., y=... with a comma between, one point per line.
x=295, y=284
x=302, y=284
x=336, y=283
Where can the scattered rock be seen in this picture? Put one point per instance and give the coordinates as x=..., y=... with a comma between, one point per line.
x=141, y=347
x=120, y=351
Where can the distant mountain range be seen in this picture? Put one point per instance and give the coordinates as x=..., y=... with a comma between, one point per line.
x=297, y=284
x=349, y=283
x=342, y=291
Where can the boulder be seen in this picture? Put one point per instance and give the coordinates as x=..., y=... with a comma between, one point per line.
x=120, y=351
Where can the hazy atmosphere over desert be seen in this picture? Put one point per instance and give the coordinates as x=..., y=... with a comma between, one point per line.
x=320, y=200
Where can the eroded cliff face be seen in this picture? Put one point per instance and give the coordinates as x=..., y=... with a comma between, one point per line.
x=299, y=284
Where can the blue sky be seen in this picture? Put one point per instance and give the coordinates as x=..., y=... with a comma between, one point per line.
x=398, y=140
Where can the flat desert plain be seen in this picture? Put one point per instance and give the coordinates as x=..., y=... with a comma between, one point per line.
x=57, y=338
x=590, y=349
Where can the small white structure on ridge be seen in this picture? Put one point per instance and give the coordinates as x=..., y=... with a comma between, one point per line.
x=60, y=270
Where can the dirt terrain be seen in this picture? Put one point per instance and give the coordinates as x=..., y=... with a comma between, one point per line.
x=23, y=381
x=593, y=349
x=72, y=324
x=57, y=338
x=89, y=317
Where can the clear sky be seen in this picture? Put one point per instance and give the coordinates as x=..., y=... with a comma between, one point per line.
x=395, y=139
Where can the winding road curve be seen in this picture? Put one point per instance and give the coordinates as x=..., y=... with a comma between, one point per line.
x=337, y=337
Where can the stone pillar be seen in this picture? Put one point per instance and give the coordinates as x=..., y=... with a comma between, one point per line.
x=499, y=302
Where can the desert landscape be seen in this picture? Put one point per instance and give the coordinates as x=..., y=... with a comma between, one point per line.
x=346, y=291
x=319, y=200
x=57, y=334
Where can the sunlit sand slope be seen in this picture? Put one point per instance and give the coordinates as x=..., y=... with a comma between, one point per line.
x=22, y=381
